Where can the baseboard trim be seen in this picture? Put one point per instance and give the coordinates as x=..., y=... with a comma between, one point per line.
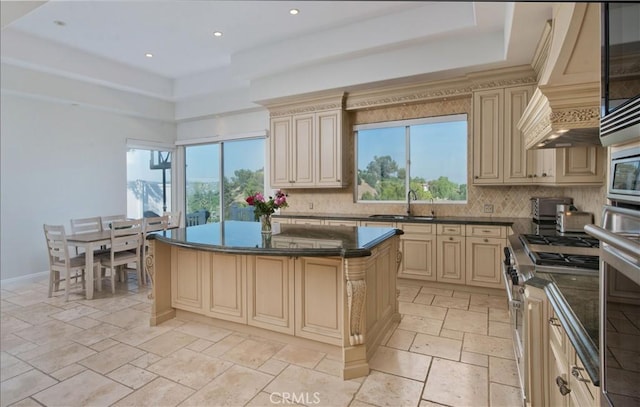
x=27, y=277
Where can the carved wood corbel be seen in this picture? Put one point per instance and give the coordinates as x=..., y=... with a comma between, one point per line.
x=148, y=265
x=356, y=299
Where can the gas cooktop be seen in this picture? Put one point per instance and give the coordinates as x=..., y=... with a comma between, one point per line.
x=561, y=251
x=566, y=241
x=565, y=260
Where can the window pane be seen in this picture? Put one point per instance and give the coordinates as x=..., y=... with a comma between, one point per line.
x=147, y=193
x=202, y=184
x=381, y=164
x=439, y=161
x=243, y=176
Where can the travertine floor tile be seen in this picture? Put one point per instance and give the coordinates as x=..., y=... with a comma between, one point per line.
x=28, y=402
x=52, y=330
x=224, y=345
x=475, y=359
x=400, y=363
x=167, y=343
x=500, y=329
x=448, y=333
x=329, y=366
x=401, y=339
x=273, y=367
x=423, y=298
x=421, y=310
x=204, y=331
x=451, y=302
x=299, y=356
x=11, y=366
x=504, y=396
x=252, y=353
x=97, y=333
x=36, y=314
x=420, y=324
x=61, y=357
x=235, y=387
x=383, y=389
x=141, y=334
x=500, y=315
x=437, y=346
x=67, y=371
x=199, y=345
x=112, y=358
x=74, y=313
x=408, y=293
x=456, y=384
x=23, y=385
x=330, y=390
x=132, y=376
x=160, y=392
x=190, y=368
x=488, y=345
x=490, y=301
x=466, y=321
x=503, y=371
x=85, y=389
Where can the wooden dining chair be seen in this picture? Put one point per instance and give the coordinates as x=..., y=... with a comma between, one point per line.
x=107, y=220
x=175, y=219
x=152, y=224
x=63, y=267
x=126, y=238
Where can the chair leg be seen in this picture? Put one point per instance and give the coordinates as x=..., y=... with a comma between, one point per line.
x=114, y=271
x=66, y=285
x=52, y=281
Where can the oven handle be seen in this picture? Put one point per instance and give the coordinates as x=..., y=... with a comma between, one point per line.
x=616, y=240
x=514, y=304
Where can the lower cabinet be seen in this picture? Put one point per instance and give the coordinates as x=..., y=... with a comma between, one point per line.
x=451, y=254
x=418, y=247
x=485, y=247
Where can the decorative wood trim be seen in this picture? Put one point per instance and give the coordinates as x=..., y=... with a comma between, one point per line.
x=305, y=104
x=356, y=299
x=541, y=54
x=148, y=264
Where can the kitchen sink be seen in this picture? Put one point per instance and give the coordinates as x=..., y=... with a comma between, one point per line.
x=401, y=217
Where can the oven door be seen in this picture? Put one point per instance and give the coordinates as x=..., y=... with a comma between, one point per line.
x=516, y=315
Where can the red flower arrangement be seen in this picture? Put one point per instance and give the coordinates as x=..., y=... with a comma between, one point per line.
x=264, y=206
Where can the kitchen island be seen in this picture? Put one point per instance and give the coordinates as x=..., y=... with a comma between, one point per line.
x=331, y=284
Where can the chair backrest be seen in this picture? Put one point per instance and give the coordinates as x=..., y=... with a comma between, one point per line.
x=86, y=225
x=175, y=219
x=199, y=217
x=155, y=224
x=126, y=235
x=57, y=247
x=107, y=220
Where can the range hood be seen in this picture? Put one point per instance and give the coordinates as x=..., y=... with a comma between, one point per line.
x=562, y=116
x=564, y=111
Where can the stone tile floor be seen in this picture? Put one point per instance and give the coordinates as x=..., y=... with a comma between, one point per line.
x=451, y=348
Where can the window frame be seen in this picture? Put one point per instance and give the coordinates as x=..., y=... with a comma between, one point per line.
x=407, y=123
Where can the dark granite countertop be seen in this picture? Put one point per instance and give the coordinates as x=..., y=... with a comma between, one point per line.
x=286, y=240
x=472, y=220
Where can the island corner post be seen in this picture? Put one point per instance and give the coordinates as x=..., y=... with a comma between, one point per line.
x=348, y=302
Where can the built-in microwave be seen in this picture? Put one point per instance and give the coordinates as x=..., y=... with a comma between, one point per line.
x=624, y=183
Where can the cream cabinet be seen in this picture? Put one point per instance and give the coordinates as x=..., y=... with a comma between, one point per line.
x=488, y=136
x=484, y=252
x=224, y=286
x=517, y=160
x=306, y=144
x=451, y=254
x=418, y=247
x=186, y=278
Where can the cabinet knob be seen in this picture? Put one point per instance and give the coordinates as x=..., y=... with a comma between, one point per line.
x=576, y=372
x=529, y=176
x=486, y=240
x=554, y=321
x=476, y=177
x=562, y=386
x=544, y=174
x=450, y=238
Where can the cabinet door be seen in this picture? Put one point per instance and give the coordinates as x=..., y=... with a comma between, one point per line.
x=450, y=259
x=484, y=261
x=280, y=151
x=580, y=165
x=329, y=147
x=225, y=287
x=270, y=293
x=545, y=166
x=418, y=247
x=303, y=154
x=186, y=279
x=516, y=160
x=488, y=136
x=319, y=284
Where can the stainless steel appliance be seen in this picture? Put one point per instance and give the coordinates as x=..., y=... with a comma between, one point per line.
x=624, y=183
x=544, y=208
x=550, y=253
x=573, y=221
x=619, y=305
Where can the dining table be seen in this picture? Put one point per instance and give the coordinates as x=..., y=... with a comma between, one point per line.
x=89, y=242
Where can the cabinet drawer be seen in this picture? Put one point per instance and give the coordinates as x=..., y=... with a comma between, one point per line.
x=586, y=394
x=557, y=337
x=416, y=229
x=451, y=230
x=486, y=231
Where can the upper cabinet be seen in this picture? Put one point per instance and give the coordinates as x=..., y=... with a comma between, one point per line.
x=307, y=144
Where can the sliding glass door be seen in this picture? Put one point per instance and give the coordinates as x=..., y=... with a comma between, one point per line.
x=148, y=182
x=234, y=167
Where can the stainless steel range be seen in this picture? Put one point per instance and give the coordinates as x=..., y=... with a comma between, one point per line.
x=527, y=254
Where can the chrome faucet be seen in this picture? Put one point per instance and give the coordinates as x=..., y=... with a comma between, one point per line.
x=415, y=198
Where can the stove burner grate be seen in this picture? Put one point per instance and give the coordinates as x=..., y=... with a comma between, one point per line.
x=566, y=260
x=569, y=241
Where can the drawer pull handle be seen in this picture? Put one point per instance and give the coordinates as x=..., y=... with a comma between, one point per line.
x=486, y=240
x=450, y=238
x=562, y=386
x=554, y=321
x=577, y=373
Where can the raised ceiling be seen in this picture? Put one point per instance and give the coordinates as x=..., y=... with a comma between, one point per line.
x=329, y=44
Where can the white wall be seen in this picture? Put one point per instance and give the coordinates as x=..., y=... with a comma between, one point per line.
x=59, y=162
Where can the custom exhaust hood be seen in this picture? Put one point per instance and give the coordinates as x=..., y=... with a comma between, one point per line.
x=564, y=111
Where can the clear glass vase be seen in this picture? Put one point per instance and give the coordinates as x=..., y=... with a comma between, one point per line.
x=265, y=223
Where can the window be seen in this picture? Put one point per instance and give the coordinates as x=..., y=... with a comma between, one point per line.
x=234, y=167
x=148, y=182
x=428, y=156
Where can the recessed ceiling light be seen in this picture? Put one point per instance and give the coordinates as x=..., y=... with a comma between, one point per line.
x=148, y=55
x=217, y=33
x=59, y=22
x=294, y=11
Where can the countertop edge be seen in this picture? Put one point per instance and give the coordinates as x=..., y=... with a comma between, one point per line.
x=498, y=221
x=290, y=252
